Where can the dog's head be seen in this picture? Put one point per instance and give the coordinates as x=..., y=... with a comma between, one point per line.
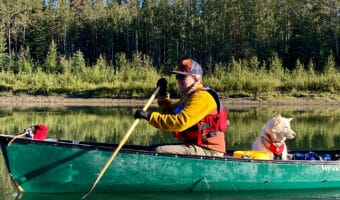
x=279, y=129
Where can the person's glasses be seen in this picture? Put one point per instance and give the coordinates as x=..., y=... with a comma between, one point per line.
x=180, y=76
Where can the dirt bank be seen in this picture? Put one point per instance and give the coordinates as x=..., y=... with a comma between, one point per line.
x=55, y=101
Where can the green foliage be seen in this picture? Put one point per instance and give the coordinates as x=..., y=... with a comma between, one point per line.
x=50, y=65
x=276, y=67
x=78, y=63
x=213, y=32
x=65, y=65
x=330, y=66
x=101, y=72
x=331, y=79
x=25, y=62
x=139, y=69
x=136, y=77
x=4, y=58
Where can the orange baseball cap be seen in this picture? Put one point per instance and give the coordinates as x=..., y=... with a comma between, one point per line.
x=188, y=67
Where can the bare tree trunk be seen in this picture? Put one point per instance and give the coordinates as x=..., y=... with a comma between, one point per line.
x=136, y=43
x=9, y=43
x=112, y=49
x=336, y=32
x=65, y=34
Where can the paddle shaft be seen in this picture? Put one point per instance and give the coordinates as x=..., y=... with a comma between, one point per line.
x=122, y=142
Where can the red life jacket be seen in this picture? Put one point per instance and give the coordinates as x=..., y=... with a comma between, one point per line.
x=213, y=124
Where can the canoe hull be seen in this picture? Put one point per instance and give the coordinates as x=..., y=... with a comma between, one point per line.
x=61, y=167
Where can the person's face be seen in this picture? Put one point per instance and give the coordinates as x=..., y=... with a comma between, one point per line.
x=185, y=82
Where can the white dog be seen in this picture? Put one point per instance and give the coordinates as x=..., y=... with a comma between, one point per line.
x=273, y=137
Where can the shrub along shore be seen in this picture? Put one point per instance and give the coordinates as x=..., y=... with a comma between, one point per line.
x=242, y=103
x=249, y=79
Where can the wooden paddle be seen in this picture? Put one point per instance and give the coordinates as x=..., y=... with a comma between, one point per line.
x=122, y=142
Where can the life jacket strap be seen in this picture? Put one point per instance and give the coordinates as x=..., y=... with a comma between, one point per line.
x=211, y=134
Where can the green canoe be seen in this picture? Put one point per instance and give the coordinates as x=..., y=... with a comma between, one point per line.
x=56, y=166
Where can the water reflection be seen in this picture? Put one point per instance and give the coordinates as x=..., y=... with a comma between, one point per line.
x=315, y=128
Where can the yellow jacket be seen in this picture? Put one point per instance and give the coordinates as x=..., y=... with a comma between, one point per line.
x=197, y=105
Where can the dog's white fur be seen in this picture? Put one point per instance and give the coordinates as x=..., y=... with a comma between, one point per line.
x=275, y=131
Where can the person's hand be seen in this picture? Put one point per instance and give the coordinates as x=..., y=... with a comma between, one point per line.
x=162, y=83
x=141, y=114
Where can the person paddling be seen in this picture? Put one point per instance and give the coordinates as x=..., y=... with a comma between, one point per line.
x=198, y=119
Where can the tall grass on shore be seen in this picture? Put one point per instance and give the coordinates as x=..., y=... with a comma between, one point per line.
x=137, y=78
x=252, y=79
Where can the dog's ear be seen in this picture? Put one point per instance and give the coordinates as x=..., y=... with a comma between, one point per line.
x=290, y=119
x=277, y=119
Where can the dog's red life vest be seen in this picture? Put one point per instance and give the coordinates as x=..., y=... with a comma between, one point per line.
x=277, y=150
x=210, y=126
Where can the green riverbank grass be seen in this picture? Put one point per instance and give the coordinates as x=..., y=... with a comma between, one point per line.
x=137, y=79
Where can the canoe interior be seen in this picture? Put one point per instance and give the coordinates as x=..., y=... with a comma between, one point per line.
x=334, y=154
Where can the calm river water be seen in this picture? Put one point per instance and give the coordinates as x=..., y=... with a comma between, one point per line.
x=316, y=128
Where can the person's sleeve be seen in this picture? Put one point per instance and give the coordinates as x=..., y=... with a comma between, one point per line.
x=165, y=105
x=199, y=105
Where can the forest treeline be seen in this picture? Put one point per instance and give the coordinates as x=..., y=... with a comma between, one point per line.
x=78, y=45
x=211, y=31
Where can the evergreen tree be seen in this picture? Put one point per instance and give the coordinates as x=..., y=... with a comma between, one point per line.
x=330, y=66
x=210, y=31
x=65, y=65
x=276, y=67
x=78, y=63
x=4, y=59
x=25, y=62
x=50, y=65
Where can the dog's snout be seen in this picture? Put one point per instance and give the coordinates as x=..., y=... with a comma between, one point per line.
x=291, y=135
